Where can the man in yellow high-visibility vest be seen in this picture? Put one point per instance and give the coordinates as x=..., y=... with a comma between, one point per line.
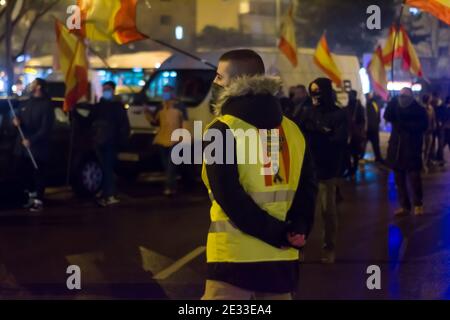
x=258, y=221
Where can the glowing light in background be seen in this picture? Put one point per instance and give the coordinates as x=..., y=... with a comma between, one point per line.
x=416, y=87
x=365, y=81
x=179, y=33
x=399, y=85
x=244, y=7
x=414, y=11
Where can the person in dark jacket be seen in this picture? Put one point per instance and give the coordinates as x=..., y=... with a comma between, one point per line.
x=373, y=112
x=409, y=122
x=428, y=136
x=111, y=129
x=446, y=124
x=36, y=118
x=301, y=101
x=326, y=129
x=438, y=138
x=250, y=96
x=357, y=130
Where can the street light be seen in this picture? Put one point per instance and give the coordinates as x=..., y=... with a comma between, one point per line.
x=2, y=3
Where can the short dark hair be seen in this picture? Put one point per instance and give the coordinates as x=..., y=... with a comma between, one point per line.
x=408, y=89
x=44, y=86
x=245, y=62
x=110, y=83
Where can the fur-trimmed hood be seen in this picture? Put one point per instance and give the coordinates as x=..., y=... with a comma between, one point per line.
x=248, y=85
x=254, y=100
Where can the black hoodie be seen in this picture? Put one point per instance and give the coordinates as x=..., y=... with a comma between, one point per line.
x=326, y=130
x=261, y=108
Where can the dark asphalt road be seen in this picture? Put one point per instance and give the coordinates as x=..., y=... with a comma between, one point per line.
x=153, y=247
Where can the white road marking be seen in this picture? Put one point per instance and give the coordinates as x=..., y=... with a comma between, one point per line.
x=177, y=265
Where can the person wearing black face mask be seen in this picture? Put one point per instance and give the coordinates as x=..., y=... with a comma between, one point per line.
x=409, y=123
x=326, y=130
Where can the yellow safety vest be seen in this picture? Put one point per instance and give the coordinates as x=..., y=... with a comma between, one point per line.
x=272, y=193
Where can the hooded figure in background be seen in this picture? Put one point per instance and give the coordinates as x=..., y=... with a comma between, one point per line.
x=409, y=122
x=326, y=128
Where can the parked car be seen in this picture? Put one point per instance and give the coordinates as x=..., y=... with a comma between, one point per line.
x=72, y=157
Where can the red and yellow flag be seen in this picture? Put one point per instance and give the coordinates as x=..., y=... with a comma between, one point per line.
x=325, y=61
x=104, y=20
x=377, y=75
x=411, y=61
x=288, y=41
x=404, y=49
x=395, y=38
x=438, y=8
x=73, y=63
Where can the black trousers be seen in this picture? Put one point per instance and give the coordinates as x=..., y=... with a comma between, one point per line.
x=373, y=136
x=438, y=144
x=415, y=180
x=31, y=180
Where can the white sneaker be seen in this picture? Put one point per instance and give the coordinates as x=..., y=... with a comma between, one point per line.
x=106, y=202
x=328, y=257
x=37, y=206
x=418, y=211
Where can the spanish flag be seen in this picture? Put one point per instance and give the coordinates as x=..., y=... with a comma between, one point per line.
x=73, y=63
x=377, y=74
x=438, y=8
x=324, y=59
x=104, y=20
x=411, y=61
x=403, y=49
x=288, y=41
x=395, y=38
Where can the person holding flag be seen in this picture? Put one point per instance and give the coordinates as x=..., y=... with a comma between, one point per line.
x=35, y=118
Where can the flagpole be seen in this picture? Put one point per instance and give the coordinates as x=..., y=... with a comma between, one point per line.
x=209, y=64
x=397, y=31
x=22, y=136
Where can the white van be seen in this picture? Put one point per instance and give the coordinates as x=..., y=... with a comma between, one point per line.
x=192, y=81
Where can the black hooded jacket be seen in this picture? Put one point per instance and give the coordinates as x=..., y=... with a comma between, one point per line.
x=37, y=118
x=326, y=130
x=256, y=103
x=406, y=140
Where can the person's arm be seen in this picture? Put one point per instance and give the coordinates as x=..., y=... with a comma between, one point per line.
x=124, y=124
x=245, y=214
x=301, y=214
x=310, y=124
x=415, y=122
x=361, y=115
x=389, y=114
x=45, y=126
x=339, y=134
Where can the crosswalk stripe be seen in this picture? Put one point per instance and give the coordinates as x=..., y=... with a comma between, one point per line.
x=177, y=265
